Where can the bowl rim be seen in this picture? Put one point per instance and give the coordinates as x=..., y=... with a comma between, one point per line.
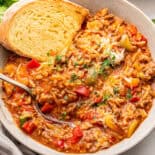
x=32, y=144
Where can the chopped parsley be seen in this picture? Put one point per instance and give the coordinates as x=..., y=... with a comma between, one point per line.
x=109, y=62
x=104, y=66
x=113, y=57
x=63, y=115
x=153, y=20
x=104, y=101
x=49, y=53
x=73, y=77
x=85, y=66
x=22, y=121
x=106, y=63
x=103, y=72
x=58, y=58
x=106, y=97
x=23, y=118
x=115, y=90
x=129, y=95
x=76, y=64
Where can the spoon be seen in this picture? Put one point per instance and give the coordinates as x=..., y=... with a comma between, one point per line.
x=29, y=91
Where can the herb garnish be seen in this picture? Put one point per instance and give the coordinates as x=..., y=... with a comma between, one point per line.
x=104, y=101
x=63, y=115
x=49, y=53
x=22, y=121
x=107, y=63
x=76, y=64
x=115, y=90
x=106, y=97
x=129, y=95
x=85, y=66
x=58, y=58
x=73, y=77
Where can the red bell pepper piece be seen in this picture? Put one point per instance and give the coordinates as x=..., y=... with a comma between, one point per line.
x=112, y=139
x=82, y=90
x=29, y=127
x=46, y=108
x=134, y=99
x=77, y=132
x=98, y=99
x=33, y=64
x=77, y=135
x=88, y=116
x=60, y=143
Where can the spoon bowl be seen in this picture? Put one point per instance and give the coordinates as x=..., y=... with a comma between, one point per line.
x=36, y=107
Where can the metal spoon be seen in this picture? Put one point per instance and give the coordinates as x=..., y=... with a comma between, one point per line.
x=28, y=90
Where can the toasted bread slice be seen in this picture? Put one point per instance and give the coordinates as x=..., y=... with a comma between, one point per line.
x=33, y=28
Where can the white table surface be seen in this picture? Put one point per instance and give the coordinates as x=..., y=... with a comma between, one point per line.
x=147, y=146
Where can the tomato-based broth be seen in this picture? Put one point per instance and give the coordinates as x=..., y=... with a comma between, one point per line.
x=102, y=84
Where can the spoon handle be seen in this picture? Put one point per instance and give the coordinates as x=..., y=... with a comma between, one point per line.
x=9, y=80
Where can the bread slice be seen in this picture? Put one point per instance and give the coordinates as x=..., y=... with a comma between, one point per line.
x=33, y=28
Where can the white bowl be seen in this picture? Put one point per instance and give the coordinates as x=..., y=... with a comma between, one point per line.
x=131, y=14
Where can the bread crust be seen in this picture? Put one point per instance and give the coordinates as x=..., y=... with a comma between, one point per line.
x=8, y=19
